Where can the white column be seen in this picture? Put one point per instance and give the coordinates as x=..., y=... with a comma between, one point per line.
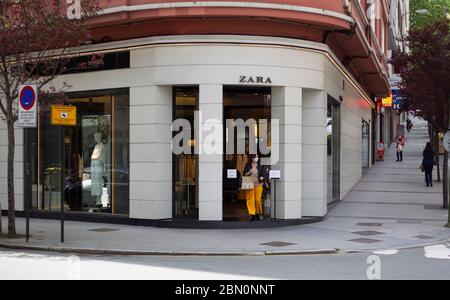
x=18, y=167
x=150, y=152
x=210, y=164
x=287, y=108
x=314, y=181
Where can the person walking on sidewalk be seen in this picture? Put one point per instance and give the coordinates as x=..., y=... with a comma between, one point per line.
x=400, y=143
x=409, y=125
x=254, y=196
x=428, y=163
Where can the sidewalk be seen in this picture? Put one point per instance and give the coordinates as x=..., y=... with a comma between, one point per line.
x=390, y=208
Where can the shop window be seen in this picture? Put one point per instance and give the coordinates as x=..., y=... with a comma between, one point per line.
x=87, y=63
x=107, y=61
x=333, y=150
x=95, y=153
x=185, y=164
x=365, y=144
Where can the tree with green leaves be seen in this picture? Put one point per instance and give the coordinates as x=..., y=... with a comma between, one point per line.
x=36, y=37
x=425, y=11
x=425, y=74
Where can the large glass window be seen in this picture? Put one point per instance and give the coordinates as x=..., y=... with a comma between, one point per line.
x=95, y=156
x=365, y=144
x=333, y=152
x=185, y=164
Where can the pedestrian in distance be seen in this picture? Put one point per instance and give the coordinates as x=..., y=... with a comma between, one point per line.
x=428, y=163
x=409, y=125
x=400, y=144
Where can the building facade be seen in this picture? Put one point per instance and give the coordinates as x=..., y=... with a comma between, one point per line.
x=391, y=121
x=307, y=73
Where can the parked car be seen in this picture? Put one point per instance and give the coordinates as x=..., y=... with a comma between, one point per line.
x=76, y=187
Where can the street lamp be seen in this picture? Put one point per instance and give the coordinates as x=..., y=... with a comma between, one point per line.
x=422, y=11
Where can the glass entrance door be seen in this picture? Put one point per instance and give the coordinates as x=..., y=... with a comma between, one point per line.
x=247, y=107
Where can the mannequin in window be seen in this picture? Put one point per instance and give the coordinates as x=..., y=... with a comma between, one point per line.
x=97, y=168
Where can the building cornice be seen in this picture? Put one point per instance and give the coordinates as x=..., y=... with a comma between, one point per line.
x=225, y=4
x=256, y=41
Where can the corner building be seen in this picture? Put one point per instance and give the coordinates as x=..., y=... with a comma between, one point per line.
x=316, y=66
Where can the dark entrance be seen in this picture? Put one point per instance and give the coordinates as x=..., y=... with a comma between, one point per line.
x=246, y=105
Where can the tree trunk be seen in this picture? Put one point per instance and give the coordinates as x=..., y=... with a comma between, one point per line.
x=11, y=199
x=436, y=151
x=445, y=181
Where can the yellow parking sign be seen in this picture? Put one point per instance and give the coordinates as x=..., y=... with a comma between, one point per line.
x=64, y=115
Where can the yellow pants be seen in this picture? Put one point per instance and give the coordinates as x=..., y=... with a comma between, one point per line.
x=253, y=197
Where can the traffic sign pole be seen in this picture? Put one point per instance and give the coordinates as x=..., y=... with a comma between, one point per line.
x=27, y=118
x=27, y=195
x=62, y=182
x=63, y=115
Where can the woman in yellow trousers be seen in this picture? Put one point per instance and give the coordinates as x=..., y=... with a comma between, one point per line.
x=254, y=196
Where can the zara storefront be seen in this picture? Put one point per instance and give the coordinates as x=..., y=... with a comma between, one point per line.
x=315, y=111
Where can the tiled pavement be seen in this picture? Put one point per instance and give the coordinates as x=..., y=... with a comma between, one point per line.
x=389, y=208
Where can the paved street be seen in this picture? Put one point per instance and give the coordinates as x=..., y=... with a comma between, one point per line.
x=389, y=213
x=393, y=265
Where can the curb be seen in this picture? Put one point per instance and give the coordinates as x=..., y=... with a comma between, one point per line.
x=87, y=251
x=443, y=241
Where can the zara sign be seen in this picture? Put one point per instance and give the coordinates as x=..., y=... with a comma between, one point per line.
x=255, y=79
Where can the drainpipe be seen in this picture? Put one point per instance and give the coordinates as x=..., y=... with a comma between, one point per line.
x=353, y=25
x=349, y=32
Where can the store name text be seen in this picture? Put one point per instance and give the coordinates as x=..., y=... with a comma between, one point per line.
x=254, y=79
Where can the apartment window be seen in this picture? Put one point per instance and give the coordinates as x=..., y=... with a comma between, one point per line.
x=371, y=14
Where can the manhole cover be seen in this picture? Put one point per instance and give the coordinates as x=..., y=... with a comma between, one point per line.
x=278, y=244
x=103, y=230
x=365, y=241
x=368, y=232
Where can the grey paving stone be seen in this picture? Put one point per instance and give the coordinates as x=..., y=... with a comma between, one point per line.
x=365, y=241
x=434, y=206
x=103, y=230
x=278, y=244
x=409, y=222
x=370, y=224
x=368, y=232
x=424, y=237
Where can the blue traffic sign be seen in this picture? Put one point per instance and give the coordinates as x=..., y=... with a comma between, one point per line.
x=397, y=100
x=27, y=97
